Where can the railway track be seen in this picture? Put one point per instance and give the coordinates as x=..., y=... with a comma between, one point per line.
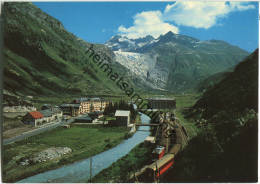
x=170, y=135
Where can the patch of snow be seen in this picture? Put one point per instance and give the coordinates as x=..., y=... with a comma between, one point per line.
x=142, y=44
x=154, y=41
x=123, y=39
x=142, y=64
x=171, y=44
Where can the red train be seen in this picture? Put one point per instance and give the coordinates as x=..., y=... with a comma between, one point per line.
x=162, y=165
x=172, y=137
x=164, y=162
x=159, y=152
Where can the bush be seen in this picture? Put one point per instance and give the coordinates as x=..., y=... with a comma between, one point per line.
x=63, y=160
x=127, y=135
x=108, y=146
x=107, y=140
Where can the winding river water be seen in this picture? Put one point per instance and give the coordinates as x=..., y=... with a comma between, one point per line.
x=79, y=171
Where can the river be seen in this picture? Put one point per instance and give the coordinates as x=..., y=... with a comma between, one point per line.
x=79, y=171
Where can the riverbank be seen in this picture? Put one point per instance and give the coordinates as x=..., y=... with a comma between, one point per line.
x=121, y=170
x=140, y=156
x=85, y=141
x=80, y=171
x=124, y=168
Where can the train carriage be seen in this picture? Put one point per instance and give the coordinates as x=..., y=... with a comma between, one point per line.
x=160, y=166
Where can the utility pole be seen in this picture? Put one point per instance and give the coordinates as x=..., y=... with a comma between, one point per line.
x=157, y=178
x=167, y=145
x=155, y=175
x=90, y=169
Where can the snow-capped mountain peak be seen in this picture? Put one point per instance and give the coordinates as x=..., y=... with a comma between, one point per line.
x=123, y=43
x=173, y=61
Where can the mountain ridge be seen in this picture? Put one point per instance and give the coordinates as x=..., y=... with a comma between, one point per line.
x=43, y=58
x=179, y=62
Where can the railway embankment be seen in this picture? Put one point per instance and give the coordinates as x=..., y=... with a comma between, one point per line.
x=173, y=137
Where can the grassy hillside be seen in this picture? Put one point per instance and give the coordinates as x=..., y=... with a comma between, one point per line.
x=225, y=150
x=211, y=81
x=235, y=93
x=42, y=58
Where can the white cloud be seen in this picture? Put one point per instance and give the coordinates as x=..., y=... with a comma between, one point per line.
x=195, y=14
x=147, y=23
x=241, y=6
x=200, y=14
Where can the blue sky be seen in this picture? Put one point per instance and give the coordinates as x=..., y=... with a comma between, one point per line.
x=96, y=22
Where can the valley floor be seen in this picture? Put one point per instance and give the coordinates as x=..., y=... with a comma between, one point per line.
x=12, y=122
x=84, y=140
x=183, y=103
x=124, y=168
x=14, y=126
x=140, y=156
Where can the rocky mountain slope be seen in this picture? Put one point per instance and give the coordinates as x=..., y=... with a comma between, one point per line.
x=176, y=62
x=42, y=58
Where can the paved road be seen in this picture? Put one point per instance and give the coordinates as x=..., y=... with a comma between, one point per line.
x=36, y=131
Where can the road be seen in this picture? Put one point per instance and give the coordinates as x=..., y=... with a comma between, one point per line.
x=36, y=131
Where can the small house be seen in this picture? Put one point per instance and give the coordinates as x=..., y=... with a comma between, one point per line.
x=34, y=118
x=47, y=115
x=122, y=118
